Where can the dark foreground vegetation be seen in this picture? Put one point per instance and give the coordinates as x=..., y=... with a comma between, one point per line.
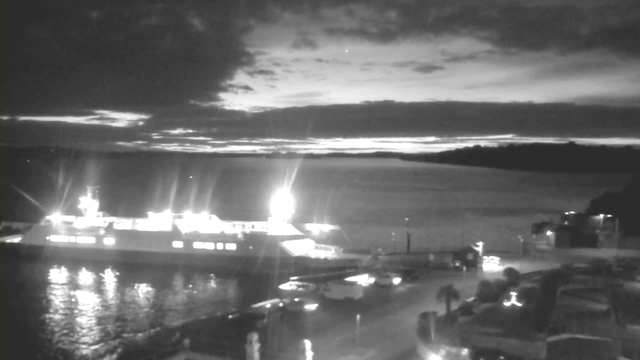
x=623, y=205
x=568, y=157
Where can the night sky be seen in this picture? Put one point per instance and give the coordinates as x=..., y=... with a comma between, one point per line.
x=318, y=76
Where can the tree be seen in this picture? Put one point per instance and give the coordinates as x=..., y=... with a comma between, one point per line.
x=487, y=292
x=512, y=276
x=528, y=295
x=447, y=294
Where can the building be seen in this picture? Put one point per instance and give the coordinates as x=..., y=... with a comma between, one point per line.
x=576, y=230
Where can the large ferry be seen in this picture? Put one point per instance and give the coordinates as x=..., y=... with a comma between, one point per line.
x=184, y=239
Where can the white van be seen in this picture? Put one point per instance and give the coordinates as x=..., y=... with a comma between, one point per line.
x=342, y=290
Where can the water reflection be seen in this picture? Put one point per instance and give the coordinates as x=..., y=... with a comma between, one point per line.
x=58, y=275
x=93, y=312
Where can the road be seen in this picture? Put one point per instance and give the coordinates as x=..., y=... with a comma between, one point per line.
x=388, y=317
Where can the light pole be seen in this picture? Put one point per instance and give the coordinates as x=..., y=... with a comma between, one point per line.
x=479, y=247
x=601, y=221
x=406, y=222
x=357, y=330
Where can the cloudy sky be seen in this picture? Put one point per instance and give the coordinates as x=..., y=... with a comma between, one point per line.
x=319, y=76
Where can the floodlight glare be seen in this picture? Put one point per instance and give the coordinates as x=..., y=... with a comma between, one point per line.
x=282, y=205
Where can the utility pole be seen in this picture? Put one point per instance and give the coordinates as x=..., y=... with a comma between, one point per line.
x=406, y=221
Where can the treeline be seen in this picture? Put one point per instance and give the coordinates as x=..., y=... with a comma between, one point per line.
x=568, y=157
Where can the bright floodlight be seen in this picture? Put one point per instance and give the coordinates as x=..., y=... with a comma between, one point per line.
x=56, y=218
x=282, y=205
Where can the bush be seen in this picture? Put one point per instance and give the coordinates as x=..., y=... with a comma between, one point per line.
x=512, y=276
x=486, y=292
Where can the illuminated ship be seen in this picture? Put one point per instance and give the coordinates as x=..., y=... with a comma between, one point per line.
x=185, y=239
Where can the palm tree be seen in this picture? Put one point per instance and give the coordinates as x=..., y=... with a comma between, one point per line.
x=447, y=294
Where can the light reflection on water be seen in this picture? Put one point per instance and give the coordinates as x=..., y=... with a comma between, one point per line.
x=92, y=313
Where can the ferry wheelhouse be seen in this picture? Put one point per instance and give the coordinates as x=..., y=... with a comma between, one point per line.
x=187, y=239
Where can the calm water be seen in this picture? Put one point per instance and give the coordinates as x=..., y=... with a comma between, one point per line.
x=53, y=310
x=82, y=311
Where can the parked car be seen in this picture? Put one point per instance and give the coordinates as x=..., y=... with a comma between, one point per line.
x=342, y=290
x=409, y=275
x=388, y=279
x=300, y=304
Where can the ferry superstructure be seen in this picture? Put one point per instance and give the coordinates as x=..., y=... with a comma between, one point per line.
x=186, y=239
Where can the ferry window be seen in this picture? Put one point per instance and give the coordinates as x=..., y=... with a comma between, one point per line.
x=220, y=246
x=209, y=246
x=230, y=246
x=179, y=244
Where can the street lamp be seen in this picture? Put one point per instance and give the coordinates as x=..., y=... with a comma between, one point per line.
x=282, y=205
x=479, y=247
x=406, y=222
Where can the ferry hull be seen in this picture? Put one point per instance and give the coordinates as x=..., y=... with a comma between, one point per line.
x=219, y=262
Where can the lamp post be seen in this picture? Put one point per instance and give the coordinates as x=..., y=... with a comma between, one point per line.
x=406, y=223
x=357, y=330
x=479, y=247
x=601, y=221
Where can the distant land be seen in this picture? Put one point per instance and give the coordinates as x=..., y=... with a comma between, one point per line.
x=569, y=157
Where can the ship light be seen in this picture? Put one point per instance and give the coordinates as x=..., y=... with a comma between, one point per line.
x=177, y=244
x=14, y=239
x=282, y=205
x=85, y=239
x=316, y=229
x=303, y=247
x=109, y=240
x=396, y=280
x=56, y=218
x=59, y=238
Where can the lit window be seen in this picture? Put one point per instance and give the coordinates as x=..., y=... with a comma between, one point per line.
x=209, y=246
x=85, y=239
x=179, y=244
x=220, y=246
x=109, y=240
x=230, y=246
x=198, y=245
x=59, y=238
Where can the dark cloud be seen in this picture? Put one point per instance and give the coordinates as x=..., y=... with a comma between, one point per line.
x=417, y=66
x=428, y=69
x=371, y=119
x=555, y=26
x=261, y=72
x=381, y=35
x=473, y=56
x=304, y=42
x=332, y=61
x=119, y=55
x=239, y=88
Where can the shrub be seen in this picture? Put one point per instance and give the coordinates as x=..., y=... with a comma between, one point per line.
x=486, y=292
x=512, y=276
